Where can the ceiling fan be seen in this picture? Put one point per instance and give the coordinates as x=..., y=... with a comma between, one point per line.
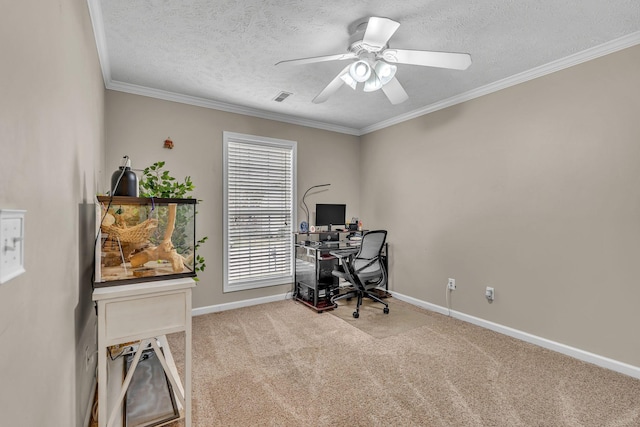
x=375, y=63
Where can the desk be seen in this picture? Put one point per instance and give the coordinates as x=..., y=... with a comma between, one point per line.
x=146, y=312
x=314, y=283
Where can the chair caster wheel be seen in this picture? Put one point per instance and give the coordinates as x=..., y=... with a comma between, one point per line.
x=356, y=314
x=386, y=310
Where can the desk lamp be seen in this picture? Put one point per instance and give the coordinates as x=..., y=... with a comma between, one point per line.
x=306, y=208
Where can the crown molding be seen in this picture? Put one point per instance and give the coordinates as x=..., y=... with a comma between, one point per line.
x=569, y=61
x=97, y=22
x=222, y=106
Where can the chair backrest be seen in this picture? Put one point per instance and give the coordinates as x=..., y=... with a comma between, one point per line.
x=367, y=263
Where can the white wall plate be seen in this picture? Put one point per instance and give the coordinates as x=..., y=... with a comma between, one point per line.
x=11, y=244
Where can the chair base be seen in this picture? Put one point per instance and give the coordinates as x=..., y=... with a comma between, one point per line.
x=360, y=294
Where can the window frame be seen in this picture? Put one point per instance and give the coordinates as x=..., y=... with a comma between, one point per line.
x=233, y=137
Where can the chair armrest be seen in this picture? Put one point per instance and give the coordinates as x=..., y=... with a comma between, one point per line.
x=369, y=264
x=344, y=253
x=346, y=258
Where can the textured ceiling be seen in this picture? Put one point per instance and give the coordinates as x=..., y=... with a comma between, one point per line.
x=224, y=51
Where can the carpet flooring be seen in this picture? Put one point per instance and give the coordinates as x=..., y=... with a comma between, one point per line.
x=282, y=364
x=375, y=323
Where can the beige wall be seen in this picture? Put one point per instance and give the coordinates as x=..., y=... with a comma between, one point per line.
x=51, y=139
x=137, y=126
x=533, y=190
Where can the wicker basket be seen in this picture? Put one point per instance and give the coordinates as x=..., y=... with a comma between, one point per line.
x=137, y=234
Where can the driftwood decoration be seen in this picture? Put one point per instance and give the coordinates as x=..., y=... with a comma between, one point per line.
x=165, y=250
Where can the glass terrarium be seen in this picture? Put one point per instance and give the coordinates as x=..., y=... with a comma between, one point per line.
x=143, y=239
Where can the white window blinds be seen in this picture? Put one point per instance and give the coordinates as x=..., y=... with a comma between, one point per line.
x=259, y=211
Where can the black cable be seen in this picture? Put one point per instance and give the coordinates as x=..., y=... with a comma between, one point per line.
x=95, y=241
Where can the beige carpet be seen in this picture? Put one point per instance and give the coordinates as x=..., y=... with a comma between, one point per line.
x=282, y=364
x=375, y=323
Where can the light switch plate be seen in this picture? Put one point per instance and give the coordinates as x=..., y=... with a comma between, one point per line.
x=11, y=244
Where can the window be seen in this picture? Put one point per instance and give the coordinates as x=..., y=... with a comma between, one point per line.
x=259, y=214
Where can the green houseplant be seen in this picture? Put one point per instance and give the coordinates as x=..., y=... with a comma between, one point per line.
x=157, y=182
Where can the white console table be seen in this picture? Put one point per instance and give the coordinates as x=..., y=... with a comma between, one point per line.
x=146, y=312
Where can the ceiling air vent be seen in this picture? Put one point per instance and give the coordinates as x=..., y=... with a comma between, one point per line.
x=282, y=96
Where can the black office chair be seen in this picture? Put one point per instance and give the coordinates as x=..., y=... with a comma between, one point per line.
x=365, y=271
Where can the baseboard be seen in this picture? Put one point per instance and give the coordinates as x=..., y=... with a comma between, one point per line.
x=420, y=303
x=239, y=304
x=585, y=356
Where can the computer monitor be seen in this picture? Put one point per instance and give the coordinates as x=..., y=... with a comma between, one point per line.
x=331, y=214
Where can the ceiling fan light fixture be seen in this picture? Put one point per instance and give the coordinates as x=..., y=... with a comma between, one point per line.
x=373, y=83
x=360, y=71
x=385, y=71
x=346, y=77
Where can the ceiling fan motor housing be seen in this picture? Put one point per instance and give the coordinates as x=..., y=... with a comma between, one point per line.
x=356, y=43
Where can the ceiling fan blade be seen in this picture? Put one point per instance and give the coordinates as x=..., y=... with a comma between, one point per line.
x=332, y=87
x=456, y=61
x=395, y=92
x=379, y=31
x=339, y=57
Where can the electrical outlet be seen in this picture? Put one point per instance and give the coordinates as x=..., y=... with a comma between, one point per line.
x=451, y=285
x=489, y=293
